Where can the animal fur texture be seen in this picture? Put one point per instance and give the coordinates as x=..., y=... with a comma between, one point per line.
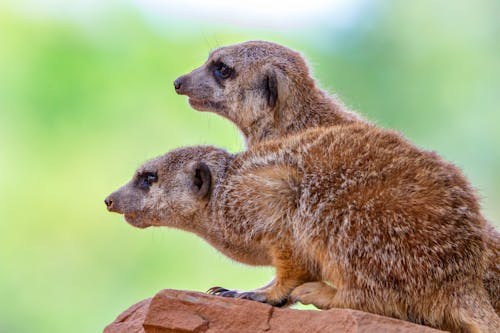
x=397, y=230
x=266, y=89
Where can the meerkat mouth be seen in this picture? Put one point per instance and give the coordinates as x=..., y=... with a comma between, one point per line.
x=205, y=105
x=133, y=221
x=199, y=104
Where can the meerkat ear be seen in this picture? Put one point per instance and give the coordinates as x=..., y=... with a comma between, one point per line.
x=201, y=180
x=276, y=86
x=271, y=88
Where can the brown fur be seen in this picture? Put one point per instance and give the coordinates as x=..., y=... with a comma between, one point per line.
x=396, y=229
x=492, y=274
x=270, y=94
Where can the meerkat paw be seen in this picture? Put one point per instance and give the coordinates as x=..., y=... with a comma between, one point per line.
x=256, y=295
x=318, y=294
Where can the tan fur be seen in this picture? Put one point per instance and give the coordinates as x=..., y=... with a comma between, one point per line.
x=492, y=274
x=243, y=98
x=396, y=229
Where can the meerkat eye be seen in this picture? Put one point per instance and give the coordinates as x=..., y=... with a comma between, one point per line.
x=222, y=71
x=147, y=179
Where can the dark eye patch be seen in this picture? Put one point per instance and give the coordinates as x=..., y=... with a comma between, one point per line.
x=146, y=179
x=221, y=71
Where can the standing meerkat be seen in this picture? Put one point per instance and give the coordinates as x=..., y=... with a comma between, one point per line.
x=266, y=90
x=396, y=229
x=263, y=88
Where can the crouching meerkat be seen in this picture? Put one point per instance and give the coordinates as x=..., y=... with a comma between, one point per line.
x=396, y=229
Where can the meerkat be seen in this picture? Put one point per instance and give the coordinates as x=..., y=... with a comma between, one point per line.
x=267, y=91
x=492, y=275
x=396, y=229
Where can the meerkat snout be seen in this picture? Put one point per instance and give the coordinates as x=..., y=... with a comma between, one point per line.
x=114, y=201
x=128, y=198
x=178, y=85
x=109, y=203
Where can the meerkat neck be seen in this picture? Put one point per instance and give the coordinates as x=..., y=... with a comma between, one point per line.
x=201, y=224
x=207, y=229
x=321, y=109
x=297, y=113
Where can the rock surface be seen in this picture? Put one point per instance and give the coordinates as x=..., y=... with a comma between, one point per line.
x=175, y=311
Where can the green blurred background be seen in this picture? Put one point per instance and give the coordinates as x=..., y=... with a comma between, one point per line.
x=86, y=96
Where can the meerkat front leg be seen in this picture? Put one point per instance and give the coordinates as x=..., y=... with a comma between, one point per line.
x=289, y=275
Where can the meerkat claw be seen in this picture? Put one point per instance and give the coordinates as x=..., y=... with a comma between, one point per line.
x=253, y=296
x=248, y=295
x=228, y=293
x=216, y=290
x=262, y=298
x=219, y=291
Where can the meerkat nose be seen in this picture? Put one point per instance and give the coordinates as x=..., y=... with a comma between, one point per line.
x=109, y=203
x=178, y=83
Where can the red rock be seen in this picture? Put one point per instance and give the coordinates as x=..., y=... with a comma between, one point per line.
x=130, y=320
x=174, y=311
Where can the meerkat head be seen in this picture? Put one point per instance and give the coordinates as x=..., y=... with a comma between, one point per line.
x=170, y=190
x=248, y=83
